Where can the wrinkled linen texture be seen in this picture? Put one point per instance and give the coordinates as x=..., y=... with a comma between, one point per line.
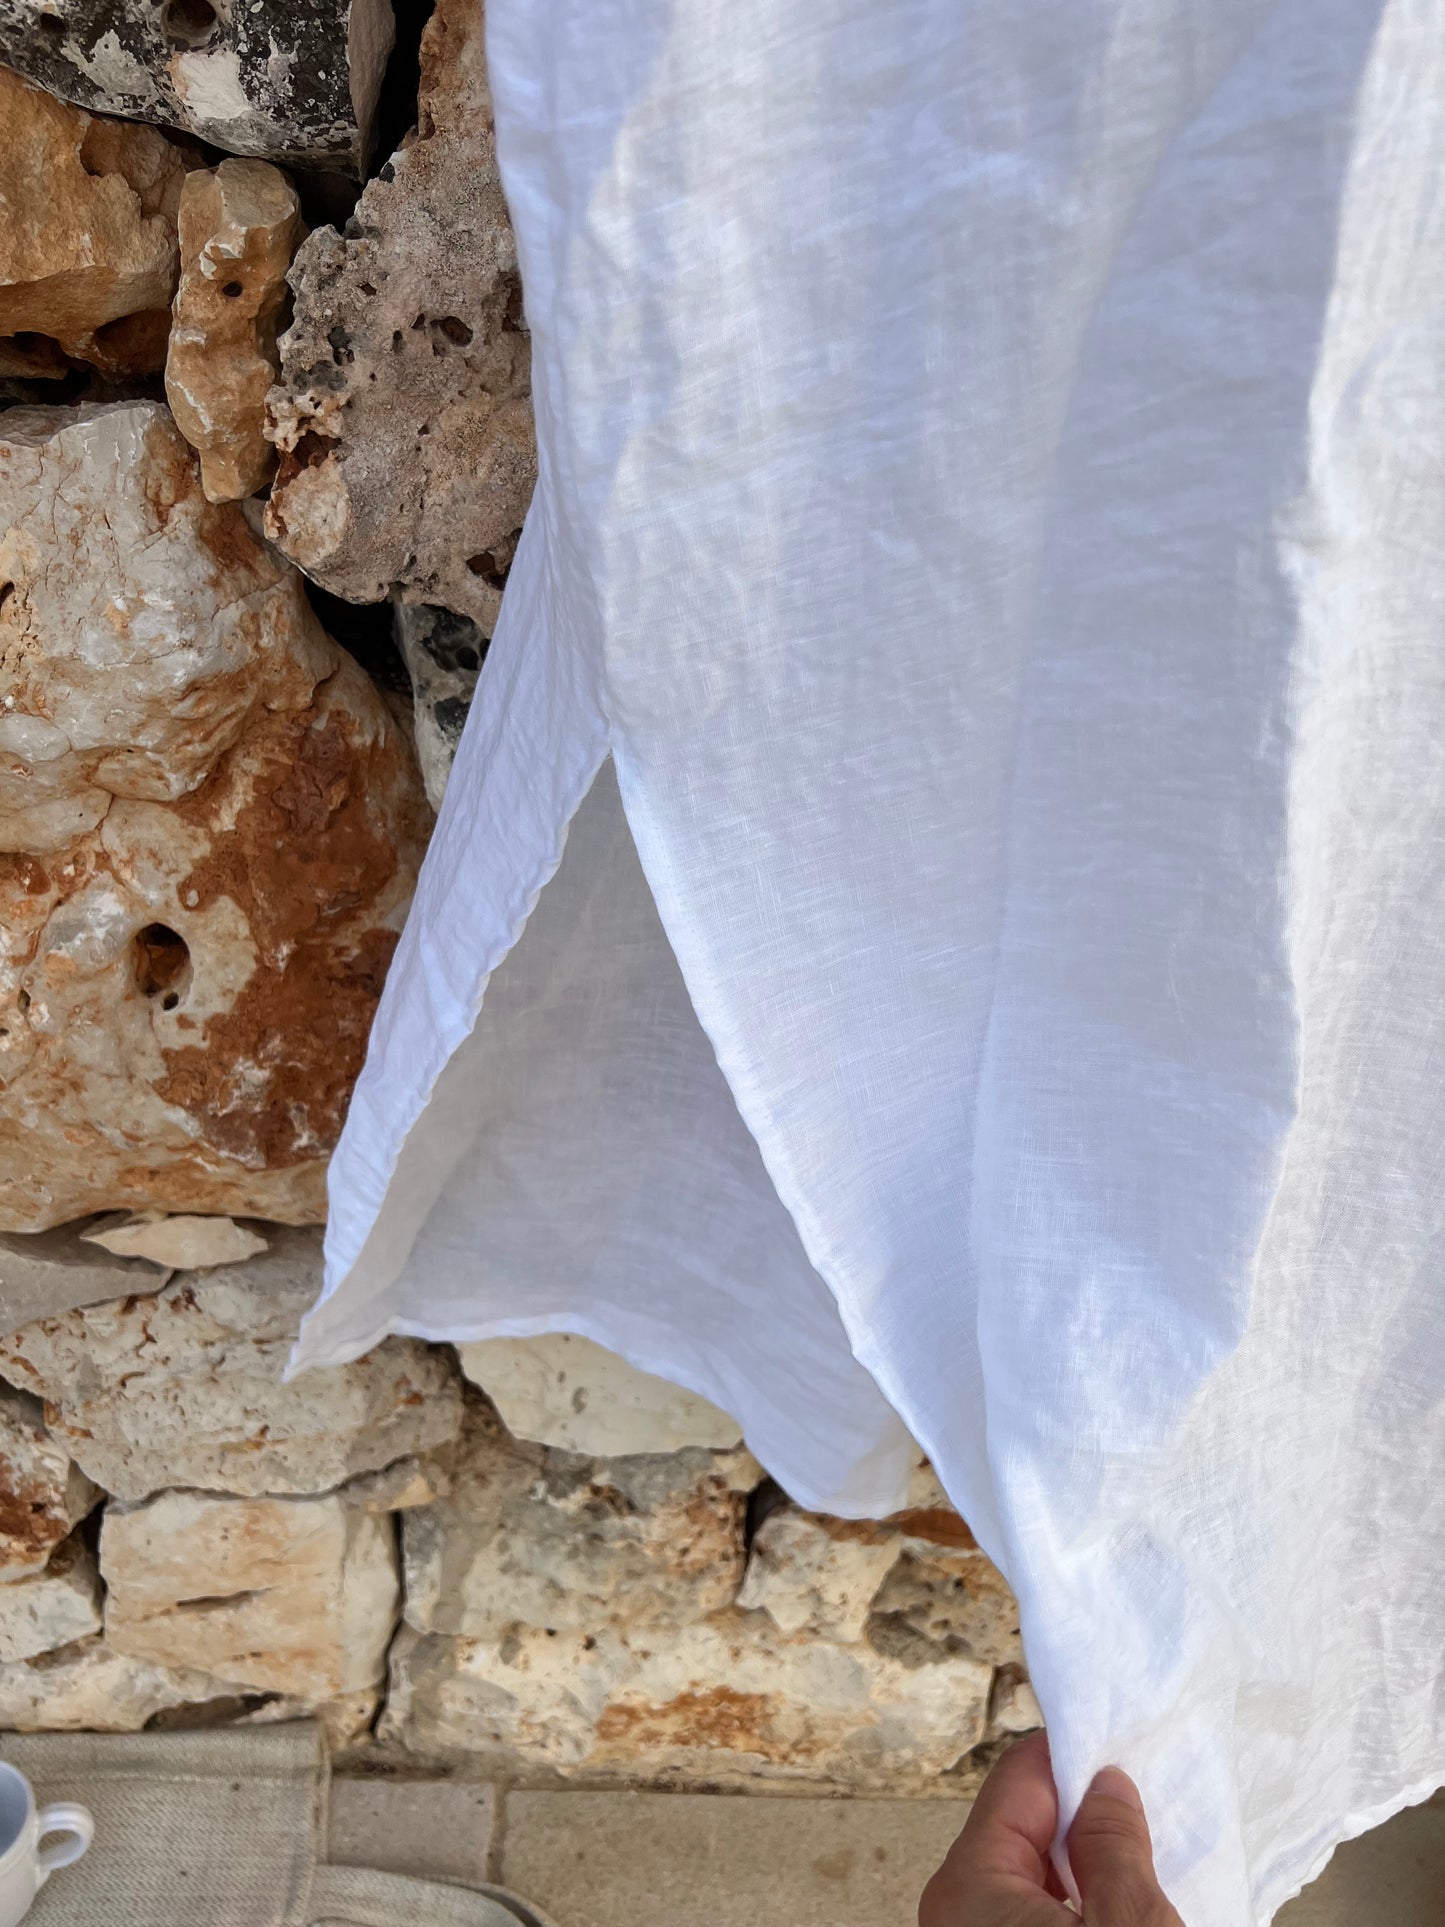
x=991, y=540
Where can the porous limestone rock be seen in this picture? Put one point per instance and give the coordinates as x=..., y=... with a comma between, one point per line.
x=727, y=1701
x=183, y=1243
x=815, y=1574
x=557, y=1540
x=346, y=1721
x=239, y=227
x=295, y=80
x=916, y=1584
x=43, y=1273
x=294, y=1596
x=89, y=1687
x=43, y=1493
x=403, y=415
x=209, y=832
x=402, y=1486
x=937, y=1602
x=1014, y=1707
x=88, y=255
x=443, y=656
x=566, y=1391
x=928, y=1512
x=182, y=1386
x=53, y=1608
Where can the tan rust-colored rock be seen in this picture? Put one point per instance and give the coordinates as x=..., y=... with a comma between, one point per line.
x=403, y=415
x=815, y=1574
x=43, y=1493
x=183, y=1387
x=52, y=1609
x=728, y=1701
x=239, y=227
x=566, y=1391
x=552, y=1539
x=938, y=1601
x=88, y=255
x=89, y=1687
x=177, y=1243
x=1014, y=1706
x=43, y=1273
x=209, y=832
x=402, y=1486
x=294, y=1596
x=929, y=1513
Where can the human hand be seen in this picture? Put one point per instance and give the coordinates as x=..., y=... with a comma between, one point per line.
x=998, y=1874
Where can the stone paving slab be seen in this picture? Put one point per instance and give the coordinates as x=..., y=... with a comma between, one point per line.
x=718, y=1860
x=436, y=1829
x=617, y=1859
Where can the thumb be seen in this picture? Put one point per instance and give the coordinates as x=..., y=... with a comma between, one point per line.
x=1113, y=1858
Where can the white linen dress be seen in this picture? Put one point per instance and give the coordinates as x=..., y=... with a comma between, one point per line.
x=982, y=618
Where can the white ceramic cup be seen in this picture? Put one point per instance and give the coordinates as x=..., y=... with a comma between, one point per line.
x=25, y=1865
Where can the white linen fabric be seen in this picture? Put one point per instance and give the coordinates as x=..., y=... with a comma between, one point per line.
x=991, y=512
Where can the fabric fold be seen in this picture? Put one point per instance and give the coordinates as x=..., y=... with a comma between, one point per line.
x=992, y=515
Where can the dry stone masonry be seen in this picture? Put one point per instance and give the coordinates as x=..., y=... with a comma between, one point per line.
x=209, y=829
x=88, y=249
x=184, y=1387
x=217, y=431
x=292, y=80
x=239, y=225
x=370, y=1544
x=403, y=414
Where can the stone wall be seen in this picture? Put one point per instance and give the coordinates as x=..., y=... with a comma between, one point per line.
x=605, y=1586
x=265, y=439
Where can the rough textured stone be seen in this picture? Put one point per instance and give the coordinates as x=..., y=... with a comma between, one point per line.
x=90, y=1687
x=52, y=1609
x=401, y=1487
x=937, y=1602
x=557, y=1540
x=725, y=1701
x=293, y=79
x=443, y=654
x=43, y=1493
x=213, y=827
x=816, y=1574
x=183, y=1386
x=44, y=1273
x=565, y=1391
x=239, y=227
x=403, y=417
x=345, y=1720
x=929, y=1514
x=178, y=1243
x=88, y=255
x=294, y=1596
x=1014, y=1707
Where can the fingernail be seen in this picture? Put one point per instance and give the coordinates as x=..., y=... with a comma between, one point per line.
x=1115, y=1784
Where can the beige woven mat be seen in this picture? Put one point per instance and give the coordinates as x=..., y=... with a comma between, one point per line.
x=221, y=1829
x=359, y=1897
x=214, y=1829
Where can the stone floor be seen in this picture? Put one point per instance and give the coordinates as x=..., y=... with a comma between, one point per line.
x=717, y=1860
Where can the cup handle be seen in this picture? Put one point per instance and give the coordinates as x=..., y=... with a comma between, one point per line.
x=64, y=1817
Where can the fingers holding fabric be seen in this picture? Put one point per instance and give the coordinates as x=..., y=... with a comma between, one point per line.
x=1112, y=1857
x=997, y=1872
